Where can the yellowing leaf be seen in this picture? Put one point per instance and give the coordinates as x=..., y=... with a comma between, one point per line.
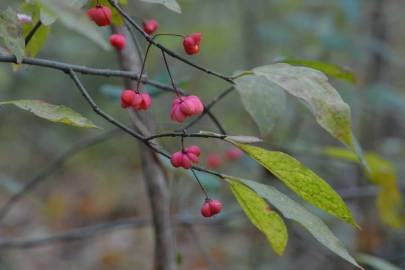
x=312, y=87
x=327, y=68
x=54, y=113
x=259, y=213
x=301, y=180
x=381, y=172
x=390, y=205
x=292, y=210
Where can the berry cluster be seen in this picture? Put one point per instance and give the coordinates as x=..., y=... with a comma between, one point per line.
x=136, y=100
x=186, y=157
x=185, y=106
x=211, y=207
x=182, y=106
x=191, y=43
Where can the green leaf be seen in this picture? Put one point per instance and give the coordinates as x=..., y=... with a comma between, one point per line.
x=264, y=101
x=312, y=87
x=259, y=213
x=375, y=262
x=73, y=18
x=170, y=4
x=38, y=40
x=381, y=172
x=301, y=180
x=327, y=68
x=54, y=113
x=292, y=210
x=11, y=33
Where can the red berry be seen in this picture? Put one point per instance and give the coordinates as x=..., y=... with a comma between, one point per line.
x=191, y=43
x=118, y=41
x=138, y=101
x=233, y=153
x=101, y=15
x=213, y=161
x=206, y=209
x=127, y=97
x=142, y=101
x=211, y=207
x=150, y=26
x=216, y=206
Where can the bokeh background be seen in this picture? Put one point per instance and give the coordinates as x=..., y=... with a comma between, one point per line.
x=102, y=182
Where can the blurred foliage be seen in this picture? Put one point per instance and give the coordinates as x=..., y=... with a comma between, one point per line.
x=103, y=183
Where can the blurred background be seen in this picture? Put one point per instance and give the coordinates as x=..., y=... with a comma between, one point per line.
x=101, y=183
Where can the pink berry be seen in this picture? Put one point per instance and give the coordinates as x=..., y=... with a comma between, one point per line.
x=118, y=41
x=206, y=210
x=213, y=161
x=191, y=43
x=183, y=107
x=194, y=149
x=150, y=26
x=177, y=159
x=216, y=206
x=127, y=97
x=198, y=105
x=184, y=159
x=138, y=101
x=233, y=153
x=101, y=15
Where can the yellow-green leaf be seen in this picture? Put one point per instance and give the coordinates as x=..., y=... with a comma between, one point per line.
x=390, y=205
x=292, y=210
x=381, y=172
x=54, y=113
x=39, y=38
x=327, y=68
x=301, y=180
x=259, y=213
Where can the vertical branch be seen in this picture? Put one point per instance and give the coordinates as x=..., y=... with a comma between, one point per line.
x=152, y=170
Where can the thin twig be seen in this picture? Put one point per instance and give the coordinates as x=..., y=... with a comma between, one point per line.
x=186, y=135
x=85, y=70
x=100, y=72
x=208, y=107
x=78, y=234
x=52, y=167
x=32, y=32
x=169, y=52
x=125, y=128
